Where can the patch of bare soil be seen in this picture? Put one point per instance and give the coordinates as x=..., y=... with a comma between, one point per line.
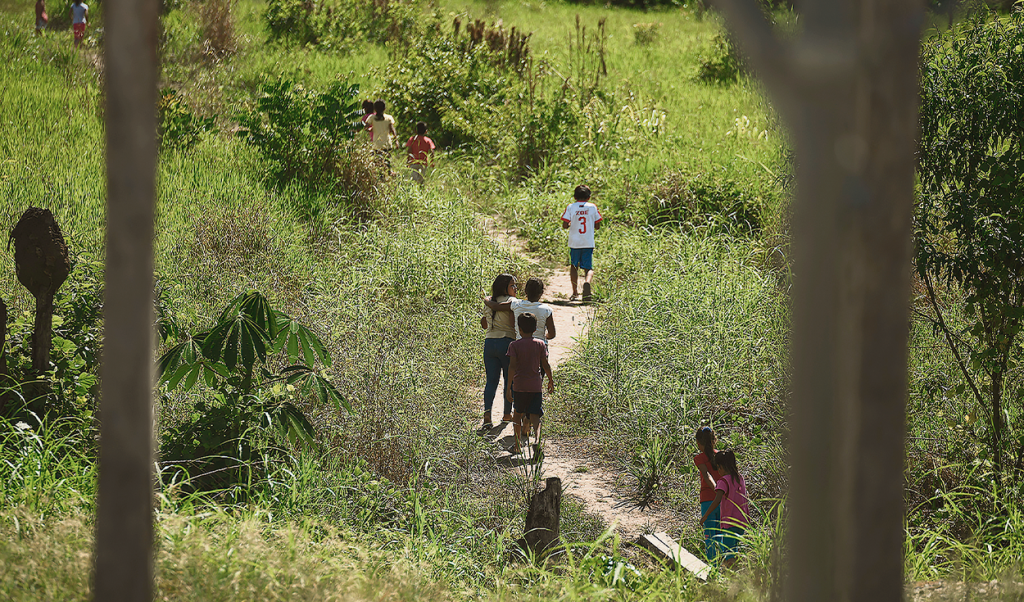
x=957, y=591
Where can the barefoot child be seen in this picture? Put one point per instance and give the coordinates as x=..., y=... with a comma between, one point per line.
x=709, y=476
x=731, y=495
x=581, y=218
x=528, y=365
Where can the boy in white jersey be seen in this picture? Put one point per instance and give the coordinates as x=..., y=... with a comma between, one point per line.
x=581, y=219
x=532, y=304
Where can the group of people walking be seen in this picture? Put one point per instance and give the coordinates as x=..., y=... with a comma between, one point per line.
x=516, y=350
x=518, y=330
x=380, y=127
x=79, y=19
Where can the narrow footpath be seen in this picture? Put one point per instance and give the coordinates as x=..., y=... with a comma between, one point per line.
x=583, y=475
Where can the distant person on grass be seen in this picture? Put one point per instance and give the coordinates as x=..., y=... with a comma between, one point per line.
x=710, y=473
x=581, y=218
x=382, y=127
x=731, y=497
x=41, y=17
x=527, y=367
x=367, y=114
x=420, y=147
x=532, y=304
x=79, y=19
x=500, y=333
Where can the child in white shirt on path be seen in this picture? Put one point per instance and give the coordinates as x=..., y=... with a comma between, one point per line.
x=581, y=218
x=532, y=304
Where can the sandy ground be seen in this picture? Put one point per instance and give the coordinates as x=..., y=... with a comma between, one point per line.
x=581, y=475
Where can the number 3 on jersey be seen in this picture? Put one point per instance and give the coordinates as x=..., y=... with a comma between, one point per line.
x=583, y=224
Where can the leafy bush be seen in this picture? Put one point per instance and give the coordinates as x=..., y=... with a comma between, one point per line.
x=969, y=220
x=234, y=359
x=703, y=201
x=722, y=63
x=307, y=137
x=343, y=24
x=70, y=386
x=645, y=34
x=178, y=127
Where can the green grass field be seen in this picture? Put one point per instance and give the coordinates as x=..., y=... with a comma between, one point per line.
x=401, y=502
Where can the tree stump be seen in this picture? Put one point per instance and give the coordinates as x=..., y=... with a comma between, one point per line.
x=543, y=520
x=42, y=264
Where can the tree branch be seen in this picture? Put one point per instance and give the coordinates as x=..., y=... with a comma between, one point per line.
x=952, y=344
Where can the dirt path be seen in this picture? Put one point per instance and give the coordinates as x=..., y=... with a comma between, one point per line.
x=582, y=476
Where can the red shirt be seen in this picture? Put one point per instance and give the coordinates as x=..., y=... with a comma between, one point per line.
x=707, y=494
x=419, y=148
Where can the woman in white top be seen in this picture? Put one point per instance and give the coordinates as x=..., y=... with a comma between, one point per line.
x=500, y=332
x=382, y=127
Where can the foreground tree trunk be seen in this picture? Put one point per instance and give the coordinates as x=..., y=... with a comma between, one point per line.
x=847, y=88
x=124, y=524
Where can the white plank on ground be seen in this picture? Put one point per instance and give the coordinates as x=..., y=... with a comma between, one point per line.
x=661, y=544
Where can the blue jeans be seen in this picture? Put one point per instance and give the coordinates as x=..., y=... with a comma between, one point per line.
x=496, y=363
x=712, y=531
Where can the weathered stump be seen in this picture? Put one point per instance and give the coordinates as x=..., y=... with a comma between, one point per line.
x=543, y=520
x=42, y=264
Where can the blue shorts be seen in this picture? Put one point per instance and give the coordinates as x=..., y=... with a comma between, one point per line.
x=582, y=258
x=528, y=402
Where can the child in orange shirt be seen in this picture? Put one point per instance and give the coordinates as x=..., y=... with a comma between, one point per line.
x=420, y=148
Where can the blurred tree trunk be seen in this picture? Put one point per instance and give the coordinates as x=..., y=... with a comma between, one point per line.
x=124, y=523
x=848, y=90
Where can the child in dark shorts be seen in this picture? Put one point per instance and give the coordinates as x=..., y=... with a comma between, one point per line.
x=528, y=363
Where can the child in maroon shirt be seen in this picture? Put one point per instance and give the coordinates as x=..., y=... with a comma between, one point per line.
x=527, y=367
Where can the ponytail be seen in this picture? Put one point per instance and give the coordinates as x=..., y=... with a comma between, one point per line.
x=727, y=460
x=706, y=441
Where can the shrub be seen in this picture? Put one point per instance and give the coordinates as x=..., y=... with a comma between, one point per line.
x=178, y=127
x=722, y=63
x=226, y=435
x=343, y=23
x=307, y=137
x=703, y=201
x=645, y=34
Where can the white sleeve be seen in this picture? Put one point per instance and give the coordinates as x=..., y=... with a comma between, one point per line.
x=566, y=215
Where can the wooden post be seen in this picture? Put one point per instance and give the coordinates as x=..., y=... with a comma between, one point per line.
x=848, y=90
x=124, y=523
x=543, y=521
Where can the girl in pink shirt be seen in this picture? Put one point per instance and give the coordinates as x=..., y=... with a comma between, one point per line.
x=731, y=495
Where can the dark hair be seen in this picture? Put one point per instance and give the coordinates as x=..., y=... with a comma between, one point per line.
x=534, y=288
x=727, y=460
x=421, y=129
x=581, y=193
x=527, y=323
x=367, y=106
x=500, y=287
x=706, y=440
x=378, y=108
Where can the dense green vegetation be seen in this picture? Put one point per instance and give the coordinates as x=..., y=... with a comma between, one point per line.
x=387, y=488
